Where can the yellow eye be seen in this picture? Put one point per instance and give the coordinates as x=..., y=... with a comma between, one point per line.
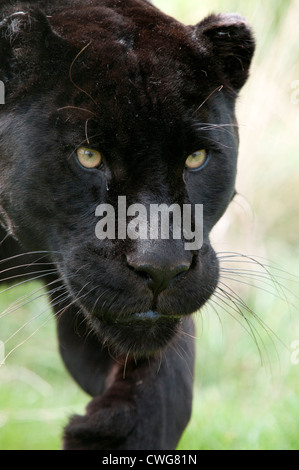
x=196, y=160
x=89, y=158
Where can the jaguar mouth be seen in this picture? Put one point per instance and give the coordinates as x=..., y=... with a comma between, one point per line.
x=139, y=334
x=150, y=317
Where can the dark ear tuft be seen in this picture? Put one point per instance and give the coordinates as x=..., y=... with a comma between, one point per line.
x=23, y=28
x=25, y=41
x=232, y=43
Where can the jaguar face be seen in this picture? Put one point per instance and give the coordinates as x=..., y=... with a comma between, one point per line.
x=136, y=107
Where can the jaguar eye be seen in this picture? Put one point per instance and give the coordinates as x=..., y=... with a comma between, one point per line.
x=196, y=160
x=89, y=158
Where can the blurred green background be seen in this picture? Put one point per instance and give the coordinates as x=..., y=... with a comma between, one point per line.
x=246, y=393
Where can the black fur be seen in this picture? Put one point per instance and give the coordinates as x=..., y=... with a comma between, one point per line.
x=146, y=91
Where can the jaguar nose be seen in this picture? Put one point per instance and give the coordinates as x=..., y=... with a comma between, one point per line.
x=159, y=277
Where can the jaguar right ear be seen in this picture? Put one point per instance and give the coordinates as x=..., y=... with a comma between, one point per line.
x=24, y=38
x=23, y=29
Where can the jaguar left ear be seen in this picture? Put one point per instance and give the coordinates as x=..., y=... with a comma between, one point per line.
x=230, y=40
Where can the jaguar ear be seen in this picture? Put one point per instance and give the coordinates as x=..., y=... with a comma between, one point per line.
x=23, y=39
x=231, y=41
x=24, y=28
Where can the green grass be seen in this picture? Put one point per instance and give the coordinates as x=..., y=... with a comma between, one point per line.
x=246, y=388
